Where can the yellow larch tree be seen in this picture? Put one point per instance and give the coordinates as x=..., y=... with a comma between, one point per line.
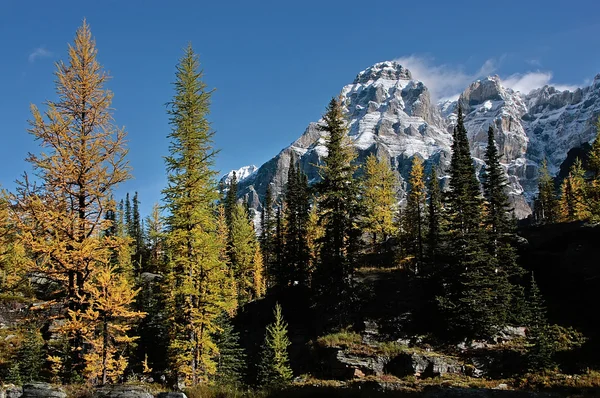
x=573, y=202
x=60, y=212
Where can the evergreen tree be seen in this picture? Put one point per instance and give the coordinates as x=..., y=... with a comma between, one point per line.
x=274, y=369
x=231, y=198
x=278, y=271
x=198, y=275
x=31, y=355
x=155, y=235
x=434, y=217
x=128, y=216
x=338, y=207
x=546, y=206
x=267, y=228
x=594, y=167
x=415, y=228
x=475, y=300
x=573, y=201
x=379, y=200
x=296, y=218
x=541, y=347
x=314, y=235
x=231, y=358
x=61, y=216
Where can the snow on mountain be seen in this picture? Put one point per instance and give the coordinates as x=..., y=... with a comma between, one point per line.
x=240, y=174
x=390, y=114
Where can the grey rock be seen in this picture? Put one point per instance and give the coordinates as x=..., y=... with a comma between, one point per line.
x=123, y=391
x=171, y=394
x=42, y=390
x=11, y=391
x=424, y=365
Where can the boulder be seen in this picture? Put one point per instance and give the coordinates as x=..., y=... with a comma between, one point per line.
x=42, y=390
x=423, y=364
x=123, y=391
x=11, y=391
x=171, y=394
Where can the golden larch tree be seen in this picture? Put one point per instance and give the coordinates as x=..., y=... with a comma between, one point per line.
x=60, y=212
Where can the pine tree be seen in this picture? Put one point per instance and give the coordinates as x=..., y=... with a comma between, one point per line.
x=231, y=358
x=314, y=235
x=267, y=228
x=546, y=206
x=573, y=201
x=434, y=217
x=274, y=369
x=62, y=214
x=137, y=235
x=231, y=198
x=198, y=273
x=156, y=240
x=379, y=200
x=339, y=209
x=593, y=190
x=278, y=270
x=475, y=299
x=415, y=228
x=128, y=216
x=31, y=355
x=541, y=347
x=296, y=218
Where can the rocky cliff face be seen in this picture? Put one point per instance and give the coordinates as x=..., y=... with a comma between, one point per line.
x=392, y=115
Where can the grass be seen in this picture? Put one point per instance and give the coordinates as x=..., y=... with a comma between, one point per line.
x=344, y=339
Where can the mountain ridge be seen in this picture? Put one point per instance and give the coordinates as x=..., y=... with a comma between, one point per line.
x=391, y=114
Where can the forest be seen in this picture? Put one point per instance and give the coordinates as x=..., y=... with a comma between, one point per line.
x=340, y=286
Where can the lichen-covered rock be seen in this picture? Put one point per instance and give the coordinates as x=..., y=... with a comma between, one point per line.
x=42, y=390
x=123, y=391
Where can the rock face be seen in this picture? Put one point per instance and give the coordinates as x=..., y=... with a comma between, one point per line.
x=423, y=365
x=42, y=390
x=392, y=115
x=123, y=391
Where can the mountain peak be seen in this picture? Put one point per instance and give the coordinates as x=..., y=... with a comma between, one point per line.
x=388, y=70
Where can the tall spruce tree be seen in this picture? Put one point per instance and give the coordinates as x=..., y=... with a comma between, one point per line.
x=415, y=228
x=339, y=209
x=231, y=198
x=473, y=301
x=296, y=218
x=379, y=201
x=541, y=347
x=267, y=227
x=198, y=274
x=434, y=218
x=231, y=359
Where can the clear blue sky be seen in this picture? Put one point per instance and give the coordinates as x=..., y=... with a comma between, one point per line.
x=275, y=64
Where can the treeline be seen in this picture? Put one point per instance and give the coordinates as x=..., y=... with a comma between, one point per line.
x=578, y=196
x=108, y=297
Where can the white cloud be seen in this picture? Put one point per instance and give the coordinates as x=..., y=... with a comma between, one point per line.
x=444, y=81
x=526, y=82
x=38, y=53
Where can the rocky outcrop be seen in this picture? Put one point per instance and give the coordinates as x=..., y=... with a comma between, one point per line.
x=423, y=364
x=11, y=391
x=42, y=390
x=123, y=391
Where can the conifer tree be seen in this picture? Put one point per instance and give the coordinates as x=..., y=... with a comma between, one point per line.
x=105, y=324
x=267, y=228
x=593, y=190
x=62, y=213
x=231, y=358
x=541, y=347
x=379, y=200
x=274, y=369
x=314, y=235
x=128, y=216
x=573, y=201
x=434, y=217
x=246, y=266
x=198, y=273
x=415, y=228
x=338, y=207
x=278, y=271
x=156, y=240
x=31, y=355
x=137, y=235
x=296, y=218
x=231, y=198
x=475, y=296
x=546, y=205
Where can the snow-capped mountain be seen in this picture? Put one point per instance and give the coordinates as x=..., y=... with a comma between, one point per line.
x=240, y=174
x=391, y=115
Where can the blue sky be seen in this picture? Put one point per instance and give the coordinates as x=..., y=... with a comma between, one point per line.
x=276, y=64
